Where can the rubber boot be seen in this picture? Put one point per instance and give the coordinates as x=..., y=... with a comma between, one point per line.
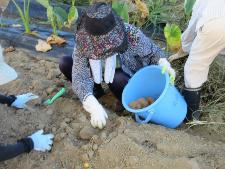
x=192, y=97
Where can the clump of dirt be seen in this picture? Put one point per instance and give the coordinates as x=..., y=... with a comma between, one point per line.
x=122, y=144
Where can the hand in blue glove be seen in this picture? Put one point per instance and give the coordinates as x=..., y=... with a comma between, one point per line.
x=42, y=142
x=21, y=100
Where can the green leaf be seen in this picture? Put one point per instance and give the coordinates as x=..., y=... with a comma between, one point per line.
x=72, y=16
x=173, y=37
x=60, y=13
x=188, y=5
x=73, y=2
x=121, y=9
x=52, y=18
x=124, y=13
x=44, y=3
x=23, y=17
x=50, y=13
x=173, y=1
x=61, y=16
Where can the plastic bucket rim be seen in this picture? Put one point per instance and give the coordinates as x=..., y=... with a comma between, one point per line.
x=150, y=107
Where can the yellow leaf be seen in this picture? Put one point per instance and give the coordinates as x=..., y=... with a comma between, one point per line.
x=42, y=46
x=54, y=39
x=143, y=8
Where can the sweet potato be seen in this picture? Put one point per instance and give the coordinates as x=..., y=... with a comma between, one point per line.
x=141, y=103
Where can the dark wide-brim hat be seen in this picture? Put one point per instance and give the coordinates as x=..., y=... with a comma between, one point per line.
x=100, y=33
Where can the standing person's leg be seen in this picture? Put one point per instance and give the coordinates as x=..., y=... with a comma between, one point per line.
x=65, y=66
x=209, y=42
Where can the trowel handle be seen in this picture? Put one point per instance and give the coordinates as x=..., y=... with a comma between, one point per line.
x=59, y=94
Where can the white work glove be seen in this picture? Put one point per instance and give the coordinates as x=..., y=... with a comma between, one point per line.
x=166, y=67
x=42, y=142
x=21, y=100
x=98, y=114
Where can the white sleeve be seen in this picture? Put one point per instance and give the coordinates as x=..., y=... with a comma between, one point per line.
x=190, y=33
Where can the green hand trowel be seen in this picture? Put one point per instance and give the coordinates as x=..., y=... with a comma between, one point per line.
x=57, y=95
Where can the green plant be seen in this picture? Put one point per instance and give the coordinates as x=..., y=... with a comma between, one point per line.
x=72, y=15
x=172, y=33
x=133, y=12
x=56, y=15
x=188, y=5
x=158, y=12
x=24, y=14
x=121, y=9
x=78, y=2
x=173, y=1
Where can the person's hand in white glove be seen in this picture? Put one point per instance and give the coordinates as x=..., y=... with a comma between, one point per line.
x=166, y=67
x=97, y=112
x=42, y=142
x=21, y=100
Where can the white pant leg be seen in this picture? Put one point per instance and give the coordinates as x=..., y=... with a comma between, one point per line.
x=209, y=42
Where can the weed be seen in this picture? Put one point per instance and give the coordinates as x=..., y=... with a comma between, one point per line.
x=24, y=14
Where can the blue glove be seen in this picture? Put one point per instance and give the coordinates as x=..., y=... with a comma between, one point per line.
x=21, y=100
x=42, y=142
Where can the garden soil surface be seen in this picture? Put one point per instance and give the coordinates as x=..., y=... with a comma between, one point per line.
x=122, y=144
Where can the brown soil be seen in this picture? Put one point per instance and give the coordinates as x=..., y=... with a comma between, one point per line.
x=123, y=144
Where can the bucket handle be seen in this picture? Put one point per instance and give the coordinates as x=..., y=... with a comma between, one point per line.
x=149, y=117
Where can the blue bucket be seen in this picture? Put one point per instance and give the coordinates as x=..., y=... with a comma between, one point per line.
x=169, y=108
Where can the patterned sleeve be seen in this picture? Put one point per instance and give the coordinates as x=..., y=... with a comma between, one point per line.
x=82, y=82
x=144, y=47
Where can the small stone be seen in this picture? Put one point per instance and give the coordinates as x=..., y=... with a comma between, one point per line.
x=86, y=165
x=41, y=126
x=52, y=74
x=68, y=130
x=44, y=95
x=67, y=120
x=85, y=147
x=50, y=90
x=53, y=129
x=87, y=132
x=84, y=157
x=9, y=49
x=97, y=140
x=116, y=168
x=76, y=125
x=90, y=154
x=82, y=118
x=62, y=135
x=49, y=112
x=76, y=128
x=20, y=111
x=57, y=138
x=103, y=136
x=63, y=125
x=95, y=147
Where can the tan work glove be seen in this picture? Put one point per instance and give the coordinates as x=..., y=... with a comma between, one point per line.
x=178, y=55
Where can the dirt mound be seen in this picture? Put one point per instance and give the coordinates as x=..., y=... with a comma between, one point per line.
x=123, y=144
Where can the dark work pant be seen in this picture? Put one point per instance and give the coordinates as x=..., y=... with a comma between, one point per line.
x=119, y=82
